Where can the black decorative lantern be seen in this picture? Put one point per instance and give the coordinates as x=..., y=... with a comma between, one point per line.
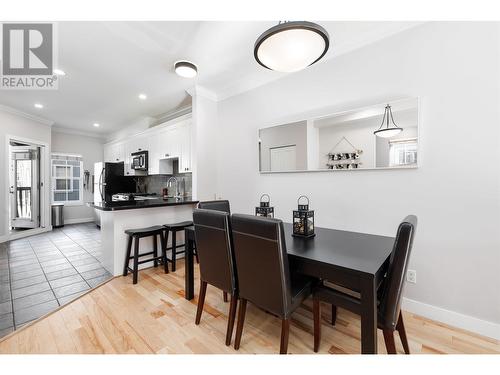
x=264, y=209
x=303, y=219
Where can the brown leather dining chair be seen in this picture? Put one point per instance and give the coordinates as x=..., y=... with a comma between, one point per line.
x=217, y=205
x=264, y=277
x=215, y=249
x=389, y=317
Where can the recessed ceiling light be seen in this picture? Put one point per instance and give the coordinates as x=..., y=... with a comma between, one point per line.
x=59, y=72
x=291, y=46
x=186, y=69
x=143, y=96
x=96, y=125
x=38, y=105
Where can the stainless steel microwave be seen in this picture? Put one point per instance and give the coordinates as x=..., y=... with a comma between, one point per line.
x=140, y=161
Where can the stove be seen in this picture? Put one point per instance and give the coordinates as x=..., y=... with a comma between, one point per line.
x=119, y=197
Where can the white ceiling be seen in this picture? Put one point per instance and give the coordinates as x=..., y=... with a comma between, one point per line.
x=108, y=64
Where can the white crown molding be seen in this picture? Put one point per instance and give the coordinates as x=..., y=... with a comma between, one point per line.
x=63, y=130
x=202, y=91
x=164, y=117
x=17, y=112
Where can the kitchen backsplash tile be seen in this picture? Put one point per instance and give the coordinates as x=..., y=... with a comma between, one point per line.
x=156, y=183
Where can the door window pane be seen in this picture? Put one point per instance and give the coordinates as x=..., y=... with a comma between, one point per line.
x=23, y=173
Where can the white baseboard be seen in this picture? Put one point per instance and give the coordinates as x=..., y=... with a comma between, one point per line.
x=452, y=318
x=79, y=221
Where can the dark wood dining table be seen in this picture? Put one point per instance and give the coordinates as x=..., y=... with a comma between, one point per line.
x=357, y=261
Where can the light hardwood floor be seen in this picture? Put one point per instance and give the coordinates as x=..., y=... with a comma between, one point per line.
x=154, y=317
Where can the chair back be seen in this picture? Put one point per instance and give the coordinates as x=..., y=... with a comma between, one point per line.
x=214, y=246
x=390, y=301
x=218, y=205
x=262, y=262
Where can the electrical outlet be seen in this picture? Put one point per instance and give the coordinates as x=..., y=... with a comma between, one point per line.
x=411, y=276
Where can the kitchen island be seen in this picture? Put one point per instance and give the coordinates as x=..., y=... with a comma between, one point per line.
x=116, y=217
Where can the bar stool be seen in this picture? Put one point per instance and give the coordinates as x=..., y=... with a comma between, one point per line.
x=174, y=228
x=156, y=230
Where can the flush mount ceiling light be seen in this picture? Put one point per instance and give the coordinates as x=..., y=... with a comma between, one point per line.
x=96, y=125
x=185, y=69
x=143, y=96
x=59, y=72
x=38, y=105
x=291, y=46
x=390, y=129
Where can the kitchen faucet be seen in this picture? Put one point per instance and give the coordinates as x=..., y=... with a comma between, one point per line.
x=173, y=179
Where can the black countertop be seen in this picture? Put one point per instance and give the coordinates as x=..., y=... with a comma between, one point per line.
x=137, y=204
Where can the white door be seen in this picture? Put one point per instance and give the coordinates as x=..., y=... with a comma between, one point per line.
x=25, y=187
x=283, y=158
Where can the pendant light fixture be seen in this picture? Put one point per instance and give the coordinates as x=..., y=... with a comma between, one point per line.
x=390, y=129
x=291, y=46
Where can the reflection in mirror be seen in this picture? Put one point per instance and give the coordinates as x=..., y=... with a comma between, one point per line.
x=284, y=147
x=344, y=141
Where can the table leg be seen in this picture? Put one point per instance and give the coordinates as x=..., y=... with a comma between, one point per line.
x=368, y=316
x=189, y=268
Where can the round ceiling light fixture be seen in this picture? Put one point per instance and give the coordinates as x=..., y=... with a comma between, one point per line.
x=291, y=46
x=185, y=69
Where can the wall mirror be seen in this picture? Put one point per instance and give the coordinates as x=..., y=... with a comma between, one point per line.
x=380, y=136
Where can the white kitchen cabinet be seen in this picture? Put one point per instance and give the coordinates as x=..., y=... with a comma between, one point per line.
x=154, y=154
x=172, y=136
x=114, y=152
x=107, y=153
x=169, y=141
x=135, y=144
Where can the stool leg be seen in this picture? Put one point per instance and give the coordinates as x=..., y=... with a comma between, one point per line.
x=166, y=244
x=174, y=250
x=127, y=255
x=155, y=251
x=136, y=260
x=163, y=244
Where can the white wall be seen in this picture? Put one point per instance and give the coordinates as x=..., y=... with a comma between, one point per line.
x=92, y=151
x=454, y=69
x=204, y=140
x=14, y=123
x=359, y=133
